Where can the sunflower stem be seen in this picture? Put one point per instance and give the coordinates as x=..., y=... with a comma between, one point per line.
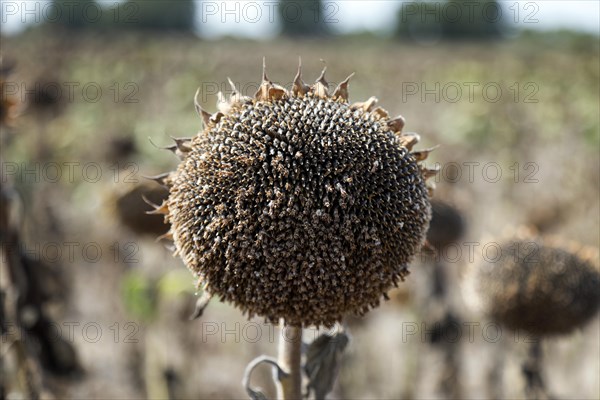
x=532, y=369
x=289, y=386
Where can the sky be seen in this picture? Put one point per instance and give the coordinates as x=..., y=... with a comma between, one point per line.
x=258, y=19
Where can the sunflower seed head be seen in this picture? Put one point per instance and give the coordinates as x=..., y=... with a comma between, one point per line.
x=297, y=205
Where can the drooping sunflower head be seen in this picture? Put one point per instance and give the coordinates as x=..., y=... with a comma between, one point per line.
x=540, y=287
x=296, y=204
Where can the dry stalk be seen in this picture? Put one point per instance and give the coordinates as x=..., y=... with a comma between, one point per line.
x=289, y=386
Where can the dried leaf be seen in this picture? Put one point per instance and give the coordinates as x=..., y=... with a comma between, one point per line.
x=323, y=362
x=201, y=304
x=257, y=394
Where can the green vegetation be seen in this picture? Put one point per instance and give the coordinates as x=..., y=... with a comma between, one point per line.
x=302, y=18
x=453, y=19
x=163, y=15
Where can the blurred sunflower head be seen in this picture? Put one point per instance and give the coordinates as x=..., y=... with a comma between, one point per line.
x=539, y=287
x=8, y=103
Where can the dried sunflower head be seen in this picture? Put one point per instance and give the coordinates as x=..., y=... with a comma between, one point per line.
x=540, y=288
x=447, y=225
x=296, y=204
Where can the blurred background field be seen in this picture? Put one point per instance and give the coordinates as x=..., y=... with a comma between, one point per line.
x=517, y=121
